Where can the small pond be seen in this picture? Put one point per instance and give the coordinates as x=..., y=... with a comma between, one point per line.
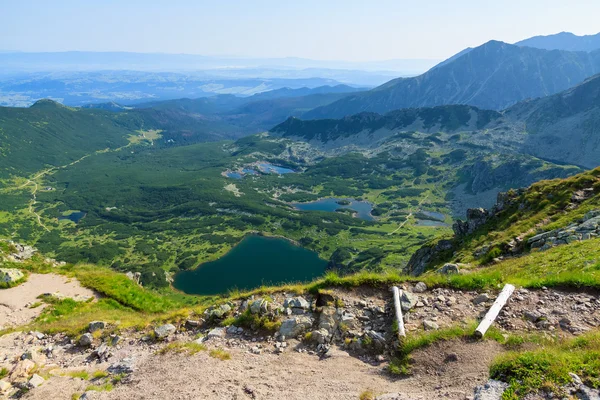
x=234, y=175
x=436, y=216
x=363, y=208
x=255, y=261
x=268, y=168
x=429, y=222
x=74, y=216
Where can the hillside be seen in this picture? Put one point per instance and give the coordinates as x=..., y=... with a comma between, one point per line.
x=563, y=41
x=493, y=76
x=49, y=134
x=565, y=126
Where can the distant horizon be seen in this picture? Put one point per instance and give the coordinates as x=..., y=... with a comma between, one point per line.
x=336, y=30
x=290, y=57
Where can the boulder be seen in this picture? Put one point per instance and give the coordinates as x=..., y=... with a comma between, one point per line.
x=449, y=269
x=5, y=387
x=86, y=340
x=218, y=312
x=194, y=323
x=320, y=336
x=35, y=381
x=125, y=366
x=482, y=298
x=327, y=319
x=96, y=326
x=408, y=301
x=10, y=275
x=21, y=370
x=491, y=390
x=217, y=333
x=255, y=306
x=163, y=331
x=420, y=287
x=295, y=326
x=298, y=304
x=430, y=325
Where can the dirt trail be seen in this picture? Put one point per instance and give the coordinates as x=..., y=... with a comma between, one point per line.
x=291, y=376
x=15, y=302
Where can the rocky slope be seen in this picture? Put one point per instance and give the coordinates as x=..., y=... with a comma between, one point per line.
x=494, y=76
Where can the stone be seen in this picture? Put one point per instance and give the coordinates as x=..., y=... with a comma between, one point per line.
x=96, y=325
x=451, y=357
x=21, y=370
x=320, y=336
x=194, y=323
x=125, y=366
x=295, y=326
x=298, y=304
x=10, y=275
x=232, y=330
x=35, y=381
x=38, y=335
x=102, y=352
x=482, y=298
x=255, y=350
x=255, y=307
x=491, y=390
x=430, y=325
x=217, y=333
x=533, y=316
x=587, y=393
x=86, y=340
x=449, y=269
x=408, y=301
x=420, y=287
x=5, y=386
x=163, y=331
x=218, y=312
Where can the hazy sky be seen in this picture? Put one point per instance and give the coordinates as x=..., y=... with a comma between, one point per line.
x=319, y=29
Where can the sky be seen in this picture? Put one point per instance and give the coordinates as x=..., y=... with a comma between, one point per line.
x=349, y=30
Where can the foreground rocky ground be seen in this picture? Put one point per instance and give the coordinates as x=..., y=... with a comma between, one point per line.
x=332, y=346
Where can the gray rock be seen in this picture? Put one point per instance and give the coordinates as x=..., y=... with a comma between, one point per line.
x=430, y=325
x=125, y=366
x=420, y=287
x=298, y=304
x=194, y=323
x=408, y=300
x=255, y=307
x=482, y=298
x=96, y=325
x=10, y=275
x=163, y=331
x=86, y=340
x=102, y=352
x=320, y=336
x=218, y=312
x=295, y=326
x=35, y=381
x=232, y=330
x=217, y=333
x=533, y=315
x=587, y=393
x=449, y=269
x=491, y=390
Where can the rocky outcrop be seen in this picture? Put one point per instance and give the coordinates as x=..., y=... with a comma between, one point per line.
x=587, y=229
x=422, y=258
x=10, y=275
x=477, y=217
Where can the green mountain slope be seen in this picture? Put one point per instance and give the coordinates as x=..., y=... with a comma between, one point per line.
x=494, y=75
x=48, y=134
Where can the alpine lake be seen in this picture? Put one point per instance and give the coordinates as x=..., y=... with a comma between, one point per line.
x=255, y=261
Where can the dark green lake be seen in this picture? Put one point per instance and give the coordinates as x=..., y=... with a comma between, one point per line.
x=255, y=261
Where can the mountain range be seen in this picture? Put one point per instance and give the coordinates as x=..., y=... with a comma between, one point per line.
x=494, y=76
x=563, y=41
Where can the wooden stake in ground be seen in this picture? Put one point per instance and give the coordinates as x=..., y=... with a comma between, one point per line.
x=401, y=331
x=491, y=315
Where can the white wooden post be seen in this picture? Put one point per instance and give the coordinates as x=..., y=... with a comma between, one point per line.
x=491, y=315
x=401, y=331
